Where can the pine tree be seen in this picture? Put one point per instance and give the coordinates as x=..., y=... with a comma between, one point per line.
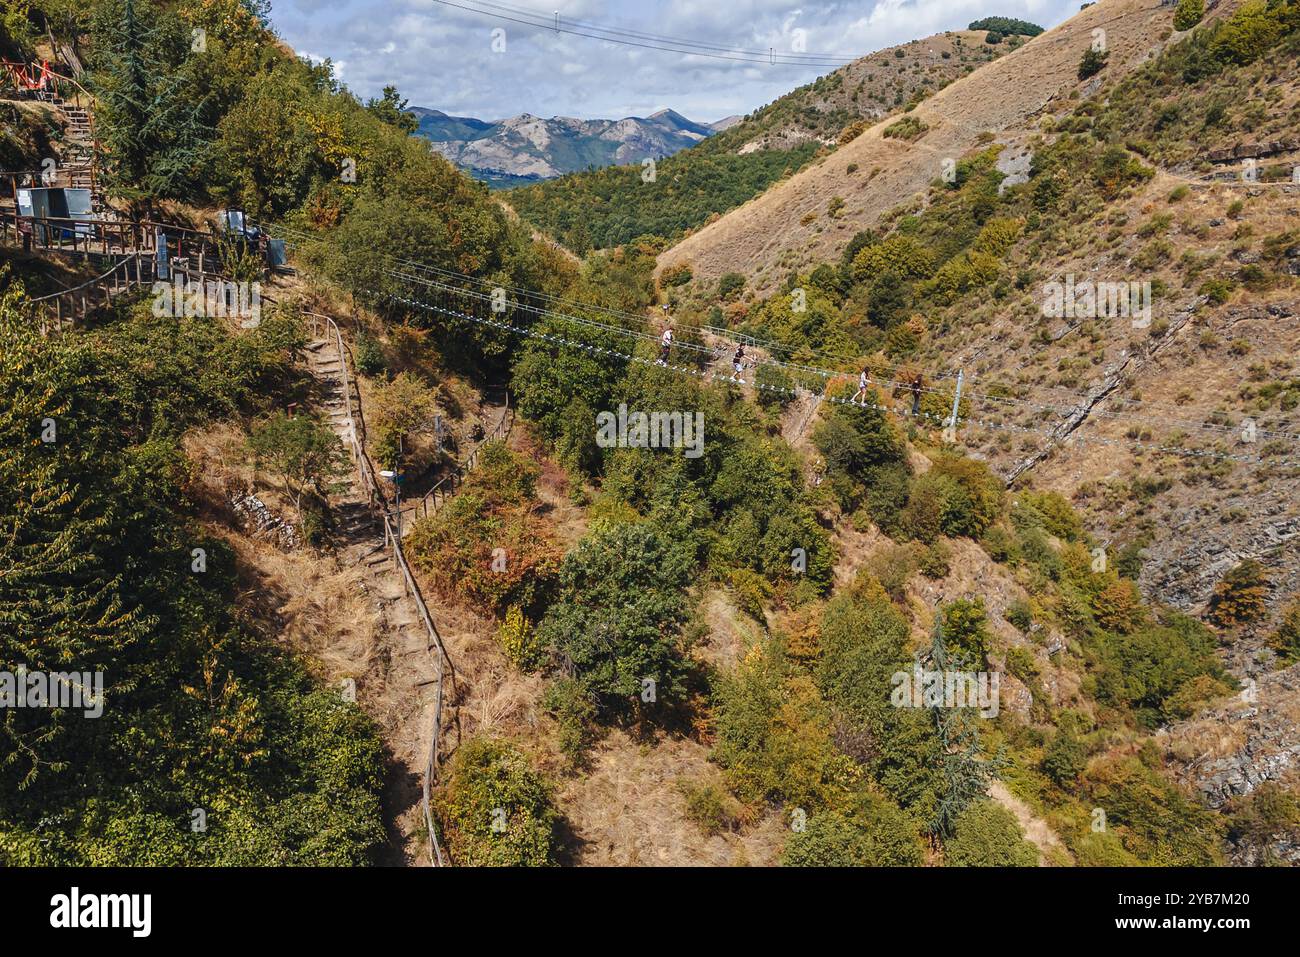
x=150, y=125
x=966, y=772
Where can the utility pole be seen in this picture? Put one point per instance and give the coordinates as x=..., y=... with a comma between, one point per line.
x=956, y=404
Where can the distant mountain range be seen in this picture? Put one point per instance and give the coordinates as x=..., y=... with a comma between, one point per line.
x=525, y=148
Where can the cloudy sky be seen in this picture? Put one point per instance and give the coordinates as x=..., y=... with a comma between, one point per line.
x=445, y=55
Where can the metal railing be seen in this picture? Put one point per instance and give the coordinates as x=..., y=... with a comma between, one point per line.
x=432, y=501
x=379, y=502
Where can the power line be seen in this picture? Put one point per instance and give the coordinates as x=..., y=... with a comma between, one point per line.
x=903, y=411
x=442, y=279
x=650, y=41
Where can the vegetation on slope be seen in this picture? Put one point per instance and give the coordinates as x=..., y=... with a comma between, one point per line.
x=600, y=209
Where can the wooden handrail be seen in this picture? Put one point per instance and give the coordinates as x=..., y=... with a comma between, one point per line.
x=430, y=503
x=377, y=498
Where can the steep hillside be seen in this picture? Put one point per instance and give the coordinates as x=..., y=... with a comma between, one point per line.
x=1171, y=427
x=811, y=217
x=603, y=208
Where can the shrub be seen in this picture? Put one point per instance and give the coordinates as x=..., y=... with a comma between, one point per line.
x=518, y=639
x=730, y=284
x=1065, y=757
x=677, y=275
x=575, y=714
x=370, y=355
x=852, y=132
x=935, y=561
x=488, y=546
x=774, y=735
x=1092, y=62
x=496, y=808
x=397, y=409
x=873, y=832
x=1188, y=14
x=908, y=128
x=1241, y=595
x=1053, y=512
x=1020, y=614
x=710, y=806
x=1286, y=640
x=987, y=835
x=965, y=628
x=902, y=256
x=1156, y=822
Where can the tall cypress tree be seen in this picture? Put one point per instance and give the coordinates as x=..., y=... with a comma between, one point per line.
x=966, y=772
x=151, y=135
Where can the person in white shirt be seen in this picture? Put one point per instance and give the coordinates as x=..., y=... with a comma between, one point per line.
x=665, y=347
x=863, y=382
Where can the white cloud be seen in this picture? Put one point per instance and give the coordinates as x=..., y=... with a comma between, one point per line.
x=441, y=56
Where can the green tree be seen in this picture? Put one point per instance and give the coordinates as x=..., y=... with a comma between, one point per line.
x=497, y=809
x=391, y=109
x=301, y=452
x=613, y=626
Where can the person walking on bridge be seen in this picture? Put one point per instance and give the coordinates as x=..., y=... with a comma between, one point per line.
x=863, y=382
x=738, y=363
x=665, y=347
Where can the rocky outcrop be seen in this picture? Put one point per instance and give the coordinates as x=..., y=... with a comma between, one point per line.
x=257, y=519
x=1232, y=748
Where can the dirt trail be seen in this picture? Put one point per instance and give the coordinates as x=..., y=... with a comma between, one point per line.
x=1050, y=848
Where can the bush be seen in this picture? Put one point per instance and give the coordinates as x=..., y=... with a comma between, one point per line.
x=496, y=808
x=574, y=712
x=370, y=355
x=1286, y=640
x=710, y=806
x=1188, y=14
x=774, y=735
x=1241, y=595
x=987, y=835
x=488, y=545
x=935, y=561
x=678, y=275
x=730, y=284
x=873, y=832
x=1092, y=62
x=518, y=639
x=965, y=629
x=397, y=410
x=1020, y=614
x=908, y=128
x=1156, y=822
x=1066, y=757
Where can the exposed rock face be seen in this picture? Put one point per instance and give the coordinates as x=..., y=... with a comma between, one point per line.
x=1232, y=748
x=529, y=147
x=257, y=519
